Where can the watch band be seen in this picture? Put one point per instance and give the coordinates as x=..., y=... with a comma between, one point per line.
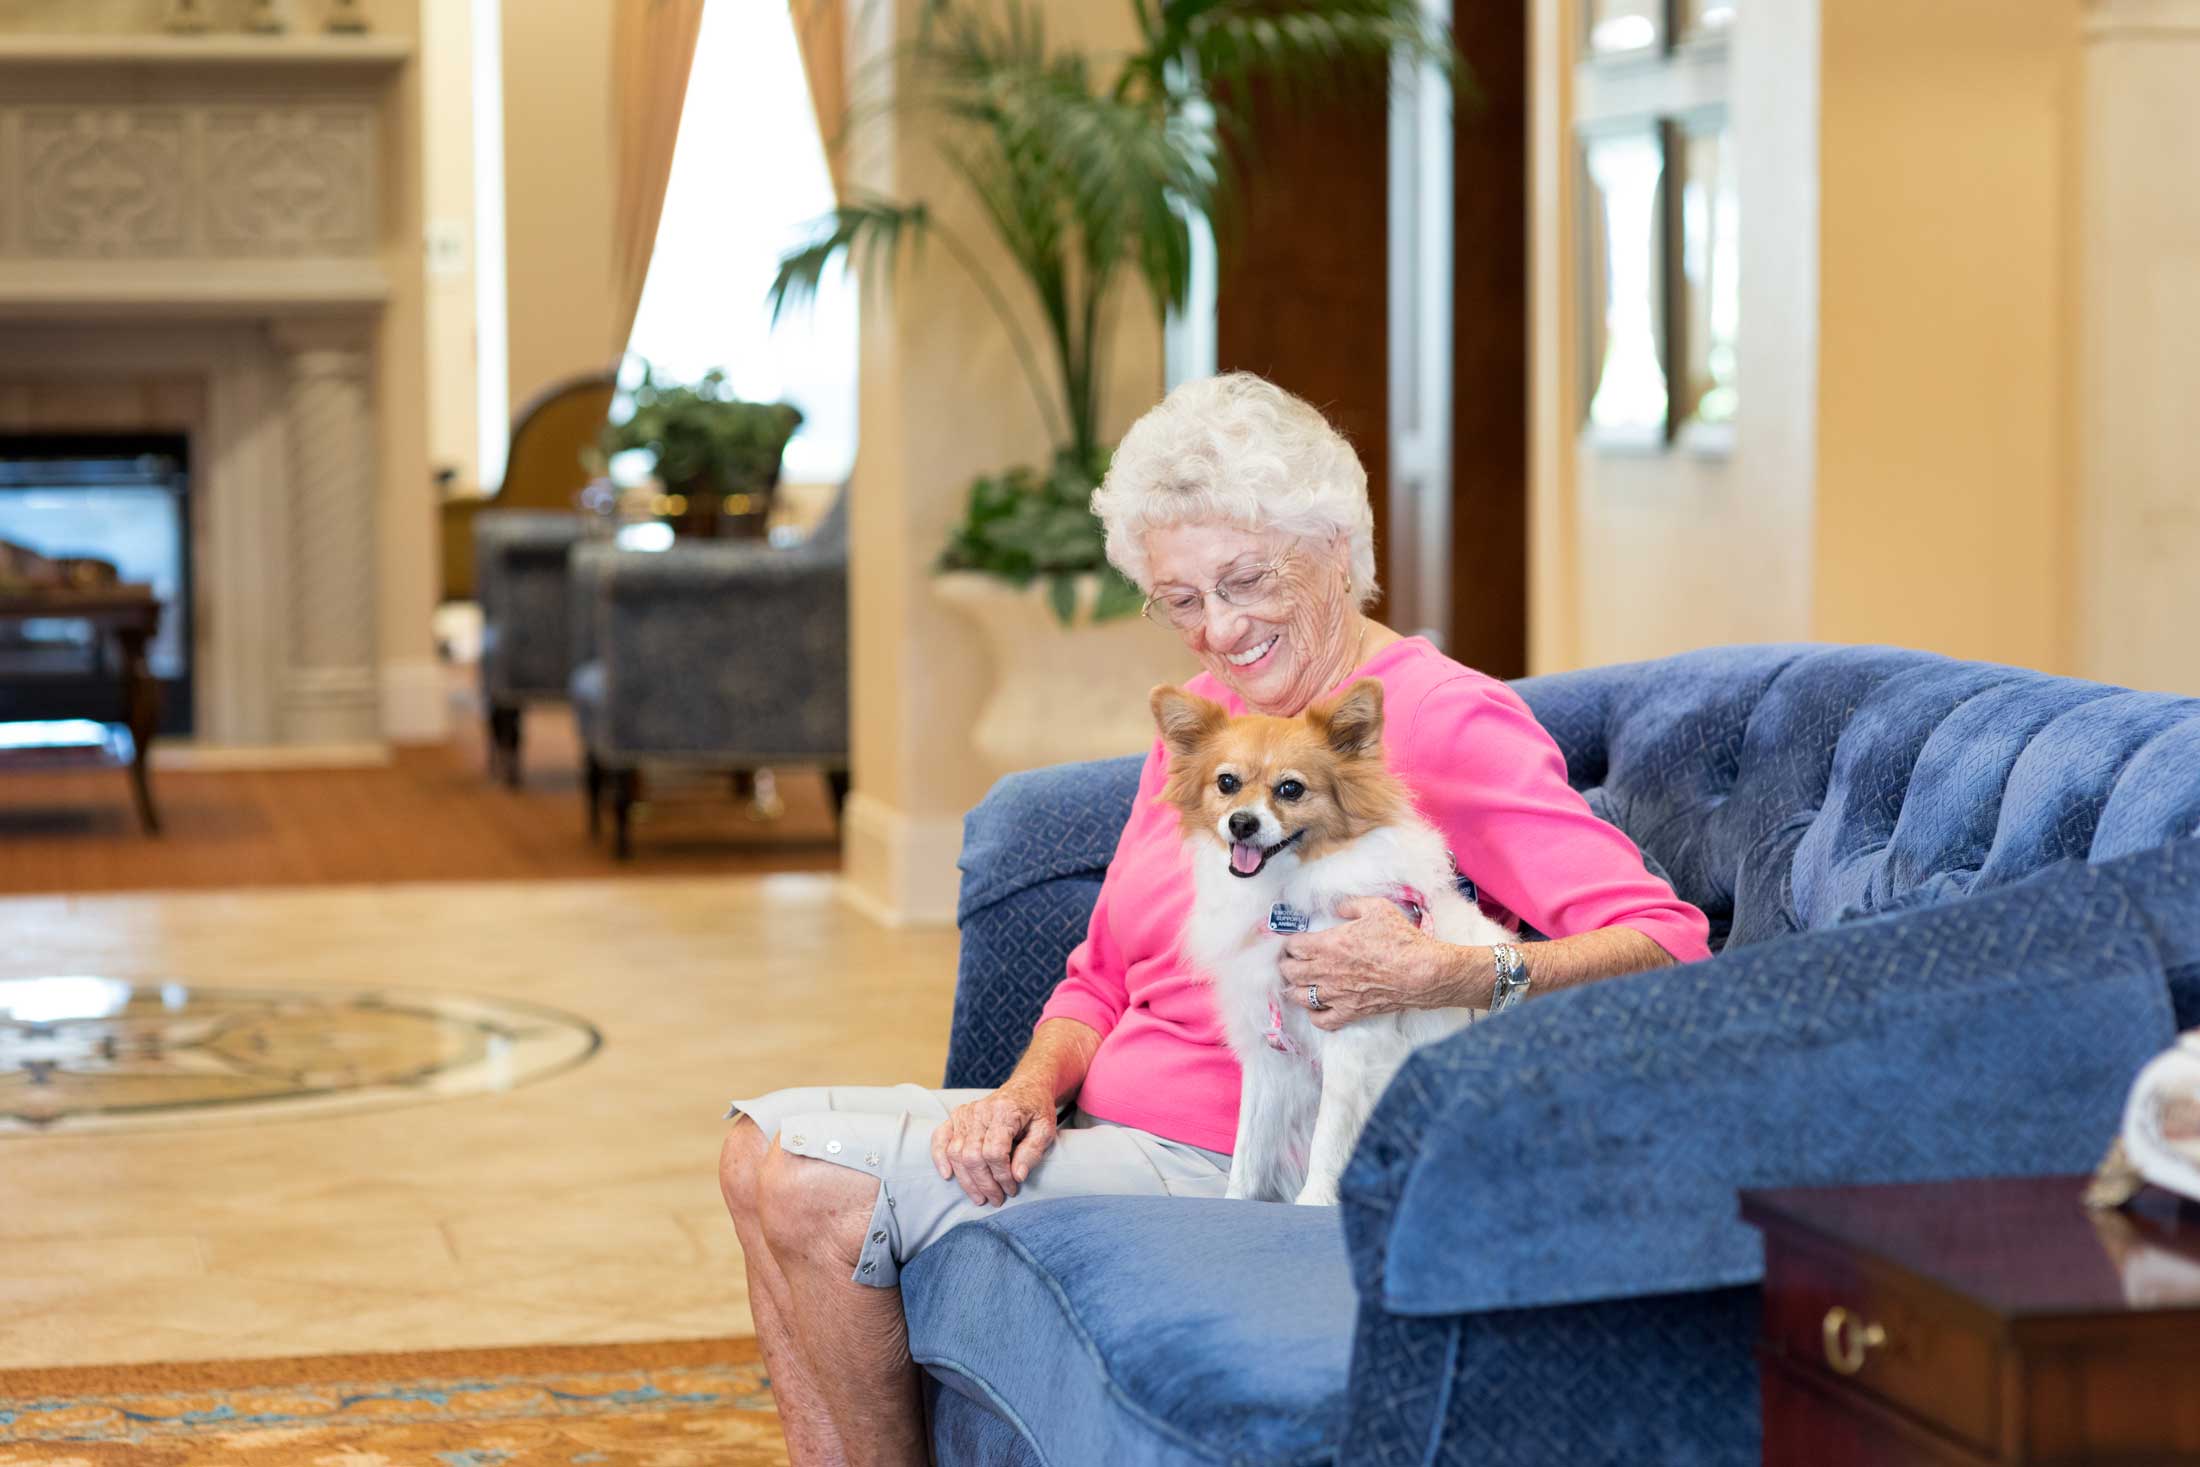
x=1512, y=977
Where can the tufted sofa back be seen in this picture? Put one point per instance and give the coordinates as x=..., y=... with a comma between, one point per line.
x=1782, y=788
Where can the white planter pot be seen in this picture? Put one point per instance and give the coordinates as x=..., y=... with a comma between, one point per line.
x=1062, y=693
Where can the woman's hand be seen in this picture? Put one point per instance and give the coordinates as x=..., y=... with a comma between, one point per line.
x=990, y=1144
x=1374, y=962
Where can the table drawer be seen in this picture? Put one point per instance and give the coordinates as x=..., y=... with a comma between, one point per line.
x=1834, y=1320
x=1809, y=1423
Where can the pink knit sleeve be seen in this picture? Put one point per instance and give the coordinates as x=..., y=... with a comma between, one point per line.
x=1494, y=782
x=1096, y=989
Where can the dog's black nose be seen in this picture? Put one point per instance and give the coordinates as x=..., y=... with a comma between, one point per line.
x=1244, y=825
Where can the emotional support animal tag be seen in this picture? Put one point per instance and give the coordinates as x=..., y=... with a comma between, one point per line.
x=1283, y=917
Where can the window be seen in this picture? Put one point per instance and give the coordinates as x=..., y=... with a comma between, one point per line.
x=748, y=177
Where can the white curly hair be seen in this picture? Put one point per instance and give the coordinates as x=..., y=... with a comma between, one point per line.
x=1239, y=450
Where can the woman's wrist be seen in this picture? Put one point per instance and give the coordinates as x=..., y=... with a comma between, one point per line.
x=1055, y=1064
x=1464, y=975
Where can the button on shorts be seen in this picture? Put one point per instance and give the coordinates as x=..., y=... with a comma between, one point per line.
x=886, y=1131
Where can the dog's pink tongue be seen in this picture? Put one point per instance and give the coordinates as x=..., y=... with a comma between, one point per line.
x=1244, y=859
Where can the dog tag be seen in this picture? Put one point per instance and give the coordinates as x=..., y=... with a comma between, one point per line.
x=1282, y=917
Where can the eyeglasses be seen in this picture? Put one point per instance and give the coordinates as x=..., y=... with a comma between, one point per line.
x=1185, y=607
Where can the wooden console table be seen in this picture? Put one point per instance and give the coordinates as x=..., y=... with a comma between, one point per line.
x=1981, y=1322
x=131, y=615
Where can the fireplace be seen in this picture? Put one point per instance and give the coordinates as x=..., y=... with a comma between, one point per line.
x=121, y=498
x=193, y=242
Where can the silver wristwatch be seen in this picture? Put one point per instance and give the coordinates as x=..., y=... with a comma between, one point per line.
x=1512, y=977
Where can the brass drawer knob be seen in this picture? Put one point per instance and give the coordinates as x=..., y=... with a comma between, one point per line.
x=1848, y=1339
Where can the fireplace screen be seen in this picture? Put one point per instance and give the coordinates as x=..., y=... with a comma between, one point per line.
x=122, y=499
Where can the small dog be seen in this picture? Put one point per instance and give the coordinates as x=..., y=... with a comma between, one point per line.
x=1285, y=818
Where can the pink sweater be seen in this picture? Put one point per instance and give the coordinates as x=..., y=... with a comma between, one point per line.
x=1482, y=770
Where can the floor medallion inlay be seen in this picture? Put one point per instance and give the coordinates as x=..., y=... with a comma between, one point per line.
x=82, y=1053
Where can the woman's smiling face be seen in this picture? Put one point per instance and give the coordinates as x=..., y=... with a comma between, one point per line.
x=1295, y=641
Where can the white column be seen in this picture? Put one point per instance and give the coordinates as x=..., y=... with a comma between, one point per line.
x=2139, y=312
x=330, y=690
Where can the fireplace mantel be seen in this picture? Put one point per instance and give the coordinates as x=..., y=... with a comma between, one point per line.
x=294, y=53
x=104, y=290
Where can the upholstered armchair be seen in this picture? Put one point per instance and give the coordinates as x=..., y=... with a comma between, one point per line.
x=711, y=654
x=520, y=560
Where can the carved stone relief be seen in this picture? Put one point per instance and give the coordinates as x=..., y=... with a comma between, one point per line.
x=102, y=182
x=294, y=182
x=221, y=181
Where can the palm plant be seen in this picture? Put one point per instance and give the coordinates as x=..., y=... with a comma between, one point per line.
x=1090, y=170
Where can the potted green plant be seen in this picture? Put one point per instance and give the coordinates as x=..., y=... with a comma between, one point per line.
x=717, y=456
x=1023, y=526
x=1090, y=170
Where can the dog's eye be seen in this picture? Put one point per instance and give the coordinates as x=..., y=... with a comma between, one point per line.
x=1290, y=789
x=1227, y=783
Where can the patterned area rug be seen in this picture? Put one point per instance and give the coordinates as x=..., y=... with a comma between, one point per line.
x=702, y=1403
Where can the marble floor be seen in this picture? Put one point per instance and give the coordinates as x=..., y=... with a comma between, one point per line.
x=579, y=1207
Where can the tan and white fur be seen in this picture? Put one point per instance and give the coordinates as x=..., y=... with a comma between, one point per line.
x=1304, y=812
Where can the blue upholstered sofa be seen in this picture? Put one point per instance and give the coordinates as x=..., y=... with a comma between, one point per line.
x=1956, y=906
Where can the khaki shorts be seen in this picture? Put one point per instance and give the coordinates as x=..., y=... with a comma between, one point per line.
x=886, y=1131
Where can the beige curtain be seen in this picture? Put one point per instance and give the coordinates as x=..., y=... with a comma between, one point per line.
x=652, y=52
x=821, y=29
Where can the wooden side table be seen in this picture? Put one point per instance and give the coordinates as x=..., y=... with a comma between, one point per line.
x=131, y=613
x=1994, y=1321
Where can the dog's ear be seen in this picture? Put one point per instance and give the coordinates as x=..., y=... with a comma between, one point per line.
x=1352, y=721
x=1185, y=719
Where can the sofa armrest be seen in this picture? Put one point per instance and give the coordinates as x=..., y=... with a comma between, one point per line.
x=1034, y=852
x=520, y=558
x=1588, y=1146
x=711, y=650
x=584, y=573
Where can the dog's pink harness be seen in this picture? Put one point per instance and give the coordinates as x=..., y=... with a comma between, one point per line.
x=1284, y=919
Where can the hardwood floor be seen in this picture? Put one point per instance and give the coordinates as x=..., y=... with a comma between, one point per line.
x=431, y=815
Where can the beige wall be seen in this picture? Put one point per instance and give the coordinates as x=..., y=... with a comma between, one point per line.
x=942, y=401
x=1947, y=367
x=447, y=200
x=557, y=189
x=1903, y=465
x=2139, y=582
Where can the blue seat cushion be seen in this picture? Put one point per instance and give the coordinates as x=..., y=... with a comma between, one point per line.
x=1132, y=1330
x=966, y=1429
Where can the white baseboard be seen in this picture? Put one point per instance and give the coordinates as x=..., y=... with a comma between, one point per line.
x=416, y=705
x=224, y=758
x=899, y=870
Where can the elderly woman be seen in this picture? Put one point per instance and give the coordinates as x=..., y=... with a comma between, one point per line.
x=1245, y=518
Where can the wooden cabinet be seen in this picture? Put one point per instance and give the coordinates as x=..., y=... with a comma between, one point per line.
x=1993, y=1321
